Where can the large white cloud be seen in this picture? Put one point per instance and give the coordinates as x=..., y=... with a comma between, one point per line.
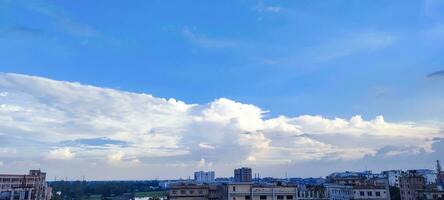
x=81, y=123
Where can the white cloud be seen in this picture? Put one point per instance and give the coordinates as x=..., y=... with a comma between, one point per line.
x=61, y=154
x=205, y=41
x=206, y=146
x=151, y=131
x=262, y=7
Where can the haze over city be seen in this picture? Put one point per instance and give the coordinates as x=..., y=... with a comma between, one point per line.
x=148, y=90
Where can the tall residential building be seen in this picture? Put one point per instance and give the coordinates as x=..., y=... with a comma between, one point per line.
x=204, y=177
x=242, y=175
x=30, y=186
x=409, y=185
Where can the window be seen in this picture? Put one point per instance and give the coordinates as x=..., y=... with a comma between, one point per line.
x=263, y=197
x=289, y=197
x=361, y=193
x=378, y=194
x=280, y=197
x=247, y=197
x=234, y=188
x=183, y=192
x=191, y=191
x=174, y=192
x=200, y=191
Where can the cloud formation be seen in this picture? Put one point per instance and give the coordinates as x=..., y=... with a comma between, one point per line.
x=435, y=74
x=71, y=122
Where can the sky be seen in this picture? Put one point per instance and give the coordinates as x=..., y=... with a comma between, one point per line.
x=159, y=89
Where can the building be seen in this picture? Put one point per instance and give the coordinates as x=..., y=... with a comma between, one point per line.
x=30, y=186
x=197, y=192
x=250, y=191
x=370, y=192
x=339, y=192
x=439, y=177
x=242, y=175
x=409, y=185
x=393, y=177
x=204, y=177
x=428, y=174
x=430, y=194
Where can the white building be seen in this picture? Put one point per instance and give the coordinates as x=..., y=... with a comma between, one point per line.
x=204, y=177
x=339, y=192
x=393, y=177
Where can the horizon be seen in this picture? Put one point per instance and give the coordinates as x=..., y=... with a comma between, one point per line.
x=153, y=89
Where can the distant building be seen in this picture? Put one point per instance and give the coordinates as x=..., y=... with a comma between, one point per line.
x=243, y=175
x=439, y=177
x=197, y=192
x=30, y=186
x=430, y=194
x=409, y=185
x=339, y=192
x=204, y=177
x=393, y=177
x=428, y=174
x=369, y=192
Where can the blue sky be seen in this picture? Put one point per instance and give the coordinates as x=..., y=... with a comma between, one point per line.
x=335, y=59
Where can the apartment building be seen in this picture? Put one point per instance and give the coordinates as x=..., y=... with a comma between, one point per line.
x=410, y=184
x=243, y=174
x=197, y=192
x=370, y=192
x=30, y=186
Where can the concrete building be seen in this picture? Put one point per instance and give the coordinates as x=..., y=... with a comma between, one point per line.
x=339, y=192
x=428, y=174
x=409, y=185
x=393, y=177
x=30, y=186
x=249, y=191
x=242, y=175
x=204, y=177
x=430, y=194
x=197, y=192
x=370, y=192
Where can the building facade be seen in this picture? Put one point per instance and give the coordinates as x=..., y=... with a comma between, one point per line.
x=197, y=192
x=409, y=185
x=204, y=177
x=30, y=186
x=242, y=175
x=393, y=177
x=250, y=191
x=339, y=192
x=370, y=192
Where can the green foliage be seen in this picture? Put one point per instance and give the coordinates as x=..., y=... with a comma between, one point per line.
x=95, y=190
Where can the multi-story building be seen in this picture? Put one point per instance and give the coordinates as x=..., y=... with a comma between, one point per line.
x=30, y=186
x=393, y=177
x=430, y=194
x=204, y=177
x=409, y=185
x=242, y=175
x=339, y=192
x=197, y=192
x=249, y=191
x=370, y=192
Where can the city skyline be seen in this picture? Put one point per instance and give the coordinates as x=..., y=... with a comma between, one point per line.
x=149, y=89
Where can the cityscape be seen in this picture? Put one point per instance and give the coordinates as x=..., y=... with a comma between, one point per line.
x=222, y=100
x=247, y=185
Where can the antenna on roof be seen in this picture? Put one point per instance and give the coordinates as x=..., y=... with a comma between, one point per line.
x=438, y=167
